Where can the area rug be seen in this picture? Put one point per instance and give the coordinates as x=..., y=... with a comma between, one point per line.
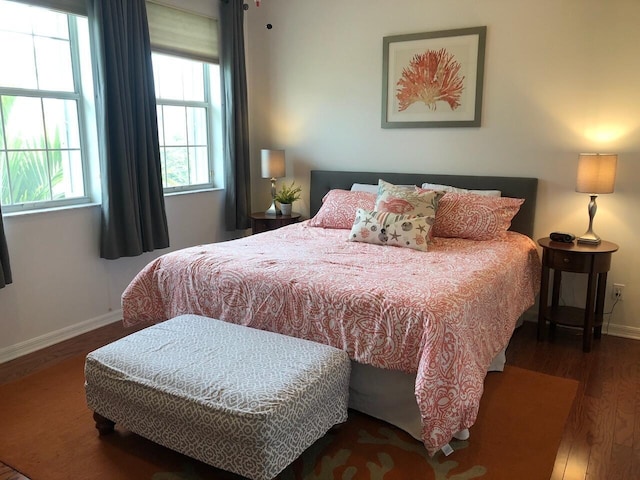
x=48, y=434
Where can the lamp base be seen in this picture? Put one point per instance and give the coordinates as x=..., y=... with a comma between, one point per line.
x=272, y=210
x=589, y=238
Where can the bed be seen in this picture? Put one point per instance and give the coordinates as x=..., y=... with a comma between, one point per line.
x=436, y=317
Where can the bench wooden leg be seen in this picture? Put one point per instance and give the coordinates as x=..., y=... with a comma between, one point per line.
x=104, y=425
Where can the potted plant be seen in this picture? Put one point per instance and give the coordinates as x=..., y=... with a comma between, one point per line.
x=287, y=195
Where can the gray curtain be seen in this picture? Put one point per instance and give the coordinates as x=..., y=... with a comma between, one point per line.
x=5, y=268
x=235, y=126
x=133, y=213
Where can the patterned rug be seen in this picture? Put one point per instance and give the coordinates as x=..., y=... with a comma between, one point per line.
x=48, y=434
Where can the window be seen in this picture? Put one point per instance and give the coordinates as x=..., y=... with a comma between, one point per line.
x=42, y=160
x=48, y=138
x=188, y=103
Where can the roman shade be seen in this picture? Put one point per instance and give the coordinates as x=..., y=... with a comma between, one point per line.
x=77, y=7
x=172, y=30
x=185, y=34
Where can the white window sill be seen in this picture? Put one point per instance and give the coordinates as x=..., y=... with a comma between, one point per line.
x=36, y=211
x=186, y=192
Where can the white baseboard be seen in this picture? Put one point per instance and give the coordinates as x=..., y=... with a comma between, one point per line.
x=621, y=331
x=14, y=351
x=611, y=329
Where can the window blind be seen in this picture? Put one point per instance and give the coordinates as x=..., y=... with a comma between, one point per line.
x=172, y=30
x=178, y=32
x=77, y=7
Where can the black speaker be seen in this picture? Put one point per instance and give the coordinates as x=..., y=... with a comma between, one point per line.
x=562, y=237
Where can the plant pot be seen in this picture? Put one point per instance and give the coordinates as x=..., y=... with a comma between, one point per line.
x=285, y=208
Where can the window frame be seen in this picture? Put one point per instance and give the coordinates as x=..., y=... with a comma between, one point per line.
x=211, y=123
x=78, y=96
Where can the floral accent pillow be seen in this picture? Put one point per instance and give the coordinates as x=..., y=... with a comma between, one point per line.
x=383, y=228
x=339, y=207
x=406, y=201
x=476, y=217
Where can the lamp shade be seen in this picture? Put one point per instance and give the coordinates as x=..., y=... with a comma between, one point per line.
x=596, y=172
x=273, y=165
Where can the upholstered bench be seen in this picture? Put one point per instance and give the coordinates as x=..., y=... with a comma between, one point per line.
x=238, y=398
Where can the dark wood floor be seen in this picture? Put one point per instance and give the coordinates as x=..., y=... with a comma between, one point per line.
x=601, y=439
x=47, y=357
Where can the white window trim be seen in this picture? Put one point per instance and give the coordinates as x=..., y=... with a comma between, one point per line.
x=78, y=96
x=211, y=119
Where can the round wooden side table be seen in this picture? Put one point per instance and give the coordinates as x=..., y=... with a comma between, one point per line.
x=593, y=260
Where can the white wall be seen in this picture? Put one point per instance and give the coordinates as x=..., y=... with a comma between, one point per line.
x=560, y=78
x=61, y=287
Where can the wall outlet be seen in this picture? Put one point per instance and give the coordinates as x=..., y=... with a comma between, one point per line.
x=617, y=292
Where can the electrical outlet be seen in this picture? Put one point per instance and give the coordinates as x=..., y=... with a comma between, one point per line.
x=618, y=289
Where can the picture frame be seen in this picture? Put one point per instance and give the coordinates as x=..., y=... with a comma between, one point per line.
x=433, y=79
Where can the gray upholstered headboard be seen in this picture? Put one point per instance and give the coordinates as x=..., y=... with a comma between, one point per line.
x=518, y=187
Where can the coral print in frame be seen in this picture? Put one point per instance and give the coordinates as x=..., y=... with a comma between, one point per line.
x=433, y=79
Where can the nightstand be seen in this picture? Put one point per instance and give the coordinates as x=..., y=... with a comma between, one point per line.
x=595, y=261
x=262, y=222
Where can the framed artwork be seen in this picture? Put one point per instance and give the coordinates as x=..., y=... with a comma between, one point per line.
x=433, y=79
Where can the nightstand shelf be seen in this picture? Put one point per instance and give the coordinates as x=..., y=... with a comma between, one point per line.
x=568, y=316
x=595, y=261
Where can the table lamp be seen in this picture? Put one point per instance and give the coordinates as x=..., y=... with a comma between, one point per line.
x=596, y=174
x=273, y=167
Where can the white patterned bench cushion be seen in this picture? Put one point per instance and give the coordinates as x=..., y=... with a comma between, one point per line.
x=244, y=400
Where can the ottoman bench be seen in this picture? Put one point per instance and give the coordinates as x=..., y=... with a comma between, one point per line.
x=240, y=399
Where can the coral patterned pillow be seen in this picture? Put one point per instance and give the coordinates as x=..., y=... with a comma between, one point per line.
x=381, y=228
x=449, y=188
x=407, y=201
x=475, y=217
x=339, y=207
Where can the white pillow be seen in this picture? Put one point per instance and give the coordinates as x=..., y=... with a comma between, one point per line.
x=367, y=187
x=449, y=188
x=364, y=187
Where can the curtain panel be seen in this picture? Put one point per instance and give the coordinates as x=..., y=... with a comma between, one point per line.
x=5, y=267
x=133, y=211
x=235, y=126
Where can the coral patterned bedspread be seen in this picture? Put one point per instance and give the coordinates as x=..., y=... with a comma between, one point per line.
x=442, y=314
